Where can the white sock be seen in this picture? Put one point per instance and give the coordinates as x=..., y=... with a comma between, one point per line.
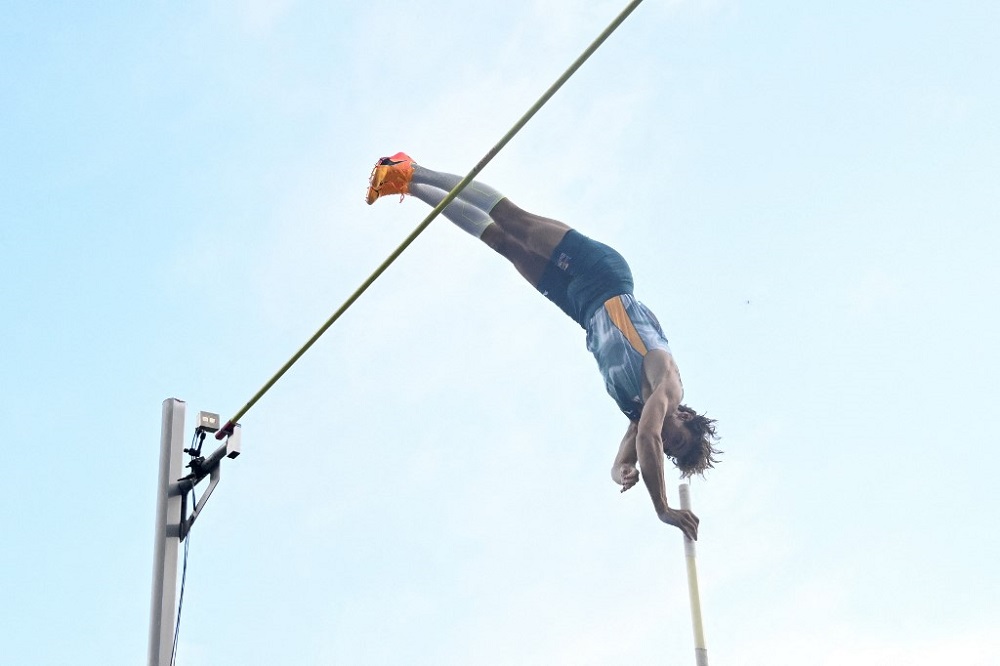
x=464, y=214
x=478, y=194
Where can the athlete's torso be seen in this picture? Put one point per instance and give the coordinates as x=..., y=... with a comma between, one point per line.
x=620, y=335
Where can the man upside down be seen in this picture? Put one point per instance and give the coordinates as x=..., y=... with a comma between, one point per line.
x=593, y=284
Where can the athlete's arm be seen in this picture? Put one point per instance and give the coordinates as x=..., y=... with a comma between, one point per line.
x=623, y=471
x=649, y=447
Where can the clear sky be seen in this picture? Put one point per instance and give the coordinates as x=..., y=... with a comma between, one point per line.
x=807, y=194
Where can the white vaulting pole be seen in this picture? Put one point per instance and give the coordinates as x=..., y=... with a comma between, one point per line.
x=700, y=653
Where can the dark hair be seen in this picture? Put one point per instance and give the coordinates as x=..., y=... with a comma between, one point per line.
x=701, y=455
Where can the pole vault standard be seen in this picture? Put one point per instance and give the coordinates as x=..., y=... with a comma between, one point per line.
x=172, y=520
x=165, y=541
x=227, y=428
x=700, y=652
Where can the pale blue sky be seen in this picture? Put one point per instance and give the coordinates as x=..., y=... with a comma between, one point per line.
x=806, y=193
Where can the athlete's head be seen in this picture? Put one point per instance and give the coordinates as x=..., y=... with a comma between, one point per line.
x=688, y=439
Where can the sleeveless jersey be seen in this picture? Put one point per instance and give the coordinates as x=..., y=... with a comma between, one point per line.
x=619, y=335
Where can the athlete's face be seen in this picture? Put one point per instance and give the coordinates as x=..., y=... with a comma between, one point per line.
x=677, y=439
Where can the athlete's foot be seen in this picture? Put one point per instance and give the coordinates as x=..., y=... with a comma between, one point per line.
x=391, y=175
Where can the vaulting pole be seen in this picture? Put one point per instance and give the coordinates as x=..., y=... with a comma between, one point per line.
x=700, y=652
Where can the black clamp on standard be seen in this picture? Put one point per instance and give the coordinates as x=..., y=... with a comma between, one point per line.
x=202, y=466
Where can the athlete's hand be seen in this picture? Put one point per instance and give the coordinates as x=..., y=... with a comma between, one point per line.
x=686, y=521
x=628, y=476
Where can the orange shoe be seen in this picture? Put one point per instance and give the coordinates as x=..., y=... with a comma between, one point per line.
x=391, y=175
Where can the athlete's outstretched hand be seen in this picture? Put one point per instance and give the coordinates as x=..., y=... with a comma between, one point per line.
x=628, y=476
x=686, y=521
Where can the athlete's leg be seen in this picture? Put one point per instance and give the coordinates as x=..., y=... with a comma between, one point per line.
x=526, y=240
x=471, y=219
x=538, y=235
x=459, y=211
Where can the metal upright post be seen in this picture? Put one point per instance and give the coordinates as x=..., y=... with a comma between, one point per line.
x=166, y=539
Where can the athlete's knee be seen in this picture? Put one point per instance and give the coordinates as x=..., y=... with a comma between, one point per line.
x=507, y=212
x=497, y=239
